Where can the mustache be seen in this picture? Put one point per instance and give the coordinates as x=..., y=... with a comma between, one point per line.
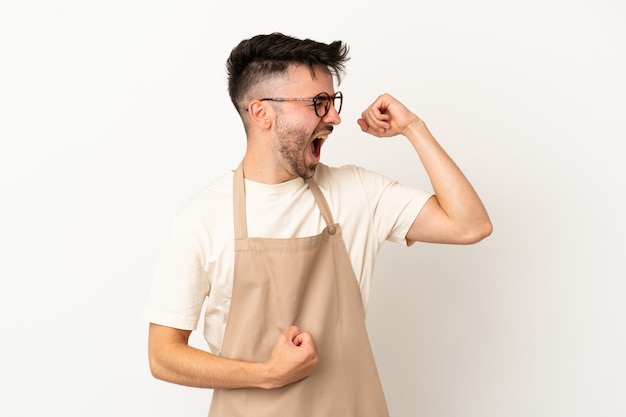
x=325, y=129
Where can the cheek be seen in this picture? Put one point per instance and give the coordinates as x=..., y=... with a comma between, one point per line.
x=307, y=123
x=302, y=127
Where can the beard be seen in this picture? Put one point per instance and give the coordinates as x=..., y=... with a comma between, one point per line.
x=292, y=144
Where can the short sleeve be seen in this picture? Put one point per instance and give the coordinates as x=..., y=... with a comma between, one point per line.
x=180, y=284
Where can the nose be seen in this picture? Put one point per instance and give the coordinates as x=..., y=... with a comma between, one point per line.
x=332, y=117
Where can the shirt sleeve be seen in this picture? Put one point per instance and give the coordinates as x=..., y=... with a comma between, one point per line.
x=394, y=206
x=180, y=284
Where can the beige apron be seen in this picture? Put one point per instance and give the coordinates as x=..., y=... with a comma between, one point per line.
x=308, y=282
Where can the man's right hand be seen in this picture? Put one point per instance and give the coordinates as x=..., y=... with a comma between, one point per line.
x=294, y=357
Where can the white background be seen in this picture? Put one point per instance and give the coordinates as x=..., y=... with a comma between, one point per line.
x=113, y=113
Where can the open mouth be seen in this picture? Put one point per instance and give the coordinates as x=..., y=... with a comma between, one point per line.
x=316, y=144
x=316, y=147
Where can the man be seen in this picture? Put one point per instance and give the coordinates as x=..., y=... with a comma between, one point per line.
x=280, y=252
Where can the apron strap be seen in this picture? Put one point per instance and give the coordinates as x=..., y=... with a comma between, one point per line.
x=239, y=204
x=321, y=201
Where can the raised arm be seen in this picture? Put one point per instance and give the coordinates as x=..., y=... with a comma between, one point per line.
x=172, y=359
x=455, y=213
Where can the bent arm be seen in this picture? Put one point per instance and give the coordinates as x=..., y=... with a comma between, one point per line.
x=455, y=214
x=172, y=359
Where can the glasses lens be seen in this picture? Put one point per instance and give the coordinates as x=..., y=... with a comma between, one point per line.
x=322, y=103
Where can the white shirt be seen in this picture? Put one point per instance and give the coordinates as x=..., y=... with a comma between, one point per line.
x=197, y=258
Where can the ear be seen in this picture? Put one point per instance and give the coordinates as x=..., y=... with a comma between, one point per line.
x=261, y=114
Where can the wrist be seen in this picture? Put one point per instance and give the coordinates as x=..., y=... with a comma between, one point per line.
x=415, y=129
x=263, y=376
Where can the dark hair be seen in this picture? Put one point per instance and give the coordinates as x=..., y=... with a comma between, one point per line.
x=262, y=56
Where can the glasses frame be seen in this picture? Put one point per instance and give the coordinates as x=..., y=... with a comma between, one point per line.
x=314, y=100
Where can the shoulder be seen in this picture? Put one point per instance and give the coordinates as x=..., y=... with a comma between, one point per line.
x=355, y=186
x=351, y=180
x=348, y=175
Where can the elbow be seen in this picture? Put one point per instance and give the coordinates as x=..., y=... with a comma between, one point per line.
x=164, y=351
x=155, y=368
x=478, y=232
x=158, y=366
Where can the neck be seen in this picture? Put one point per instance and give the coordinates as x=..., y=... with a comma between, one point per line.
x=263, y=170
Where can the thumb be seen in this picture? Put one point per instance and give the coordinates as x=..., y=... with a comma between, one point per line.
x=292, y=332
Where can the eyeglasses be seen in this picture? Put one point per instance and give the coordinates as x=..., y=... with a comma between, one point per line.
x=321, y=102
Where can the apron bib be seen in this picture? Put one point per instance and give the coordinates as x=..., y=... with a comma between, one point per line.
x=309, y=282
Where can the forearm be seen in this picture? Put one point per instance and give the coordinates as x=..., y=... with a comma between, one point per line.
x=186, y=365
x=173, y=360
